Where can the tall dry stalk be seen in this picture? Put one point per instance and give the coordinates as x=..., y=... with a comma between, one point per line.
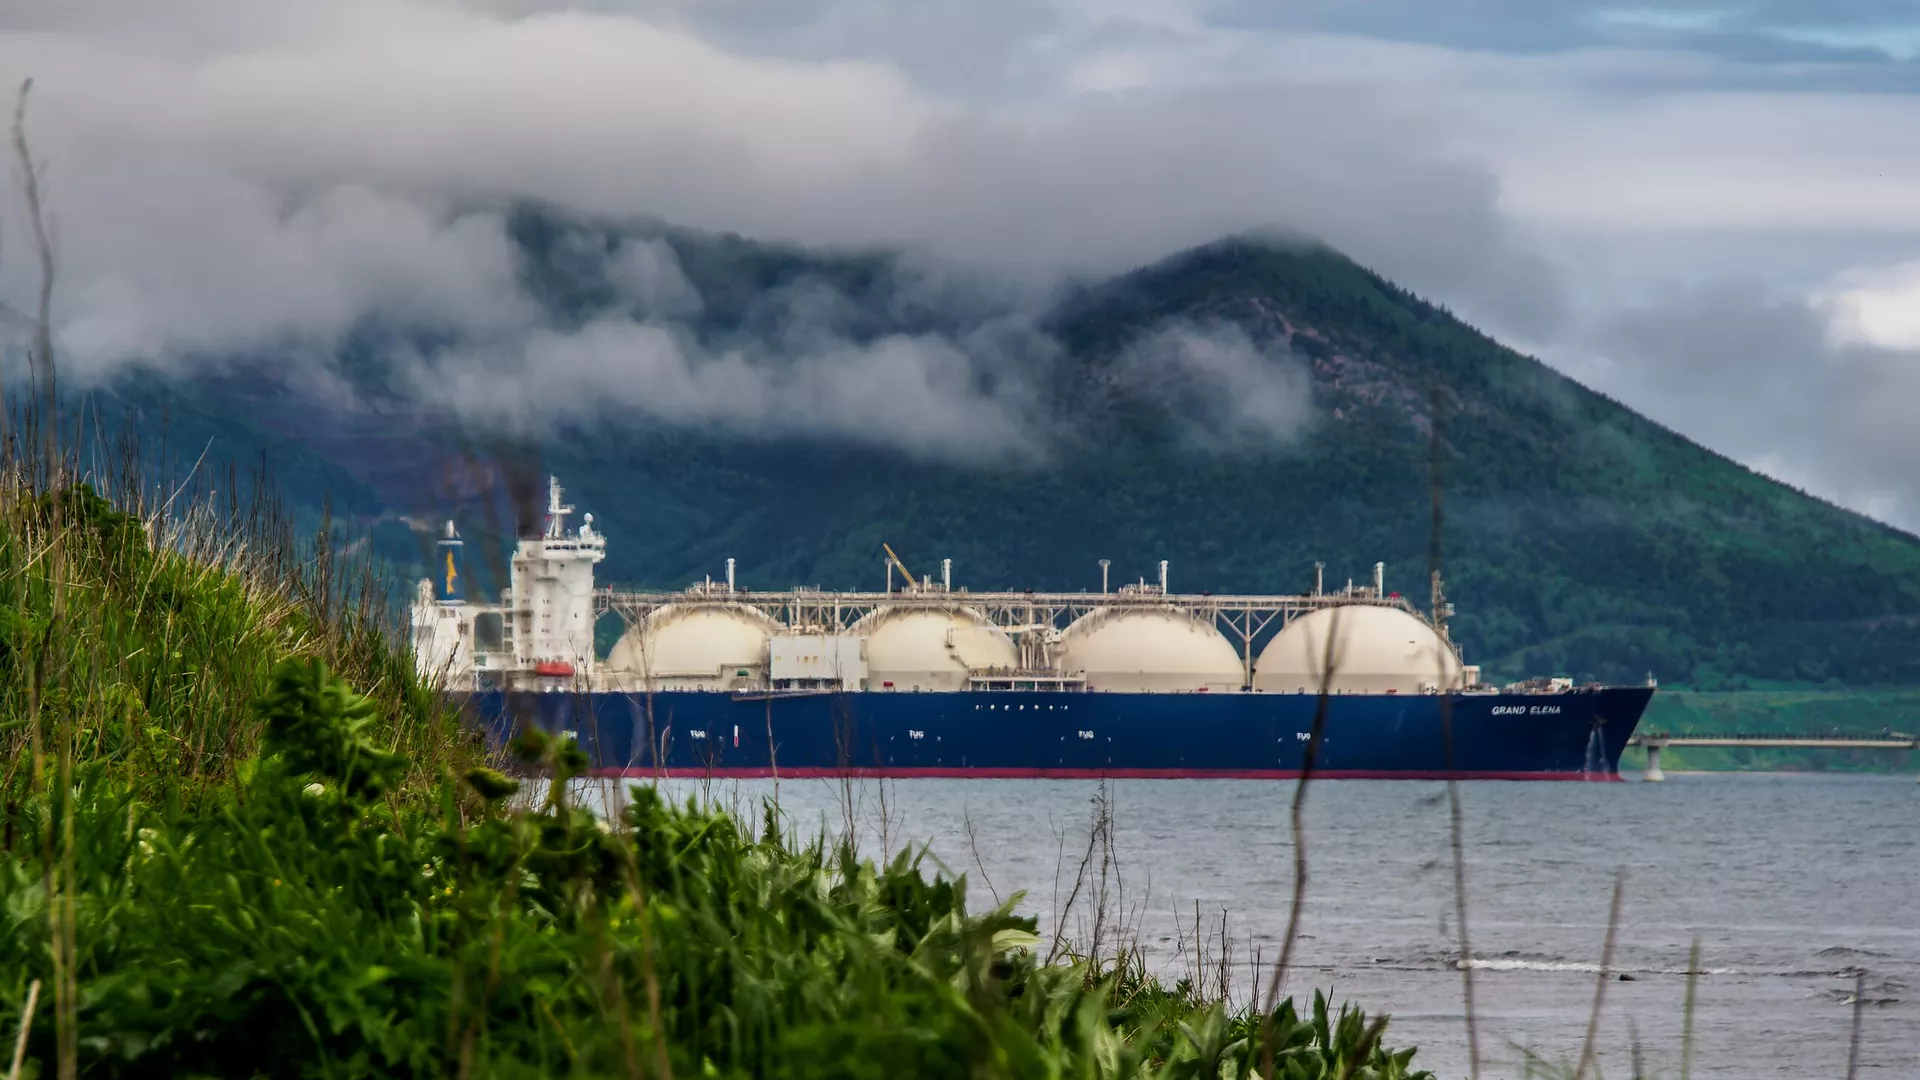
x=888, y=810
x=845, y=789
x=1204, y=964
x=1859, y=1005
x=973, y=845
x=40, y=353
x=773, y=753
x=1436, y=487
x=1094, y=837
x=49, y=674
x=1600, y=987
x=1329, y=663
x=1686, y=1032
x=26, y=1028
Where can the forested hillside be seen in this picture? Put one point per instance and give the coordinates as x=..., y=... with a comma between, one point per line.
x=1241, y=410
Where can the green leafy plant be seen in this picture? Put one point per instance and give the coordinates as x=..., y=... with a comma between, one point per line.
x=266, y=933
x=265, y=870
x=316, y=725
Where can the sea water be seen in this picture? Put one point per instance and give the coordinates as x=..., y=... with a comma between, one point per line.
x=1793, y=884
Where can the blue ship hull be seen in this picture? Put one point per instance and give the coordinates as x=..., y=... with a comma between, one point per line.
x=1577, y=735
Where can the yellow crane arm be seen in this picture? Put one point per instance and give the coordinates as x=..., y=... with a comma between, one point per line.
x=912, y=582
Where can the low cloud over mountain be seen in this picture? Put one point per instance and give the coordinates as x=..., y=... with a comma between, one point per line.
x=263, y=177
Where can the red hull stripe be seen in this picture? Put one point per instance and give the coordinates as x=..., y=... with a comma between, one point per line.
x=967, y=773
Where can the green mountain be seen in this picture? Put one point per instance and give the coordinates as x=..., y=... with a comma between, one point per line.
x=1578, y=537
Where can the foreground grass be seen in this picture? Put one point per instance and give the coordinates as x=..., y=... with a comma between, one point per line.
x=220, y=858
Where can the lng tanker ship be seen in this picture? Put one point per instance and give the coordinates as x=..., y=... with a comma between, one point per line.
x=924, y=679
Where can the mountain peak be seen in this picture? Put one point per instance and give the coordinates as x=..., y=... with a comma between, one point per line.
x=1577, y=536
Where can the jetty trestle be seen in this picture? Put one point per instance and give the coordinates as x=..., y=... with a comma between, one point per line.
x=1653, y=743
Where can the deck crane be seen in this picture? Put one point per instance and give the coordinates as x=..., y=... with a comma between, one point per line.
x=913, y=583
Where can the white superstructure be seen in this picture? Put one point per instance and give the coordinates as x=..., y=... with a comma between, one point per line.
x=550, y=602
x=926, y=636
x=442, y=638
x=817, y=661
x=542, y=626
x=442, y=625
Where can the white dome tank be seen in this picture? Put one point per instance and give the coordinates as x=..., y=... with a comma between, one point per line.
x=696, y=646
x=1149, y=650
x=1378, y=649
x=931, y=648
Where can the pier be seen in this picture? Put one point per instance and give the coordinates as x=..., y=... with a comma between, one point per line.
x=1654, y=742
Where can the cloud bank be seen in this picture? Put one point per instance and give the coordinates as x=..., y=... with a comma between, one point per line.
x=264, y=107
x=982, y=394
x=234, y=177
x=795, y=370
x=1224, y=392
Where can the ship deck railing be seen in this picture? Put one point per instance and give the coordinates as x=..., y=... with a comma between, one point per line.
x=828, y=610
x=1028, y=681
x=779, y=693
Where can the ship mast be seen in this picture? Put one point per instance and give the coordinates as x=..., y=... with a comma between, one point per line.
x=1439, y=610
x=556, y=511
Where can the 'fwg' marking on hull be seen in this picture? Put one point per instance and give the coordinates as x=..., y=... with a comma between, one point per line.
x=1081, y=734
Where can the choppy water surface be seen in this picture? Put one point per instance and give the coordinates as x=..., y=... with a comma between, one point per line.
x=1791, y=883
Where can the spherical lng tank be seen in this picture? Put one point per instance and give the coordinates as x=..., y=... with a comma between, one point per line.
x=931, y=648
x=1376, y=649
x=696, y=646
x=1149, y=651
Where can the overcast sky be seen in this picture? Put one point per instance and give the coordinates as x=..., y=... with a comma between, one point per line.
x=1708, y=210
